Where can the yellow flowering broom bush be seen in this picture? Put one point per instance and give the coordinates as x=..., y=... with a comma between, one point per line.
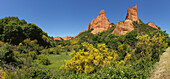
x=151, y=45
x=2, y=74
x=89, y=58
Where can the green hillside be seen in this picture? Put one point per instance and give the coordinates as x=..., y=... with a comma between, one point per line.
x=27, y=52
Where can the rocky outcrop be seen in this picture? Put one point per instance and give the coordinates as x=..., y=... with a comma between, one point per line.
x=63, y=38
x=152, y=25
x=127, y=26
x=132, y=14
x=67, y=38
x=123, y=27
x=99, y=24
x=79, y=33
x=57, y=38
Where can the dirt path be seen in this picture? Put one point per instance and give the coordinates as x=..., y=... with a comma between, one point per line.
x=162, y=68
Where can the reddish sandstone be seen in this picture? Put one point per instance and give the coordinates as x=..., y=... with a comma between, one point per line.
x=57, y=38
x=99, y=24
x=152, y=25
x=132, y=14
x=67, y=38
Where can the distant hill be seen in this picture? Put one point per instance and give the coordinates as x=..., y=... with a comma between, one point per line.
x=13, y=30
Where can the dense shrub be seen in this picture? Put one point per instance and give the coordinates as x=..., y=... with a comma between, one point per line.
x=168, y=40
x=32, y=54
x=7, y=54
x=123, y=49
x=135, y=61
x=2, y=74
x=89, y=58
x=1, y=43
x=14, y=31
x=43, y=59
x=131, y=38
x=76, y=47
x=30, y=73
x=142, y=28
x=151, y=45
x=39, y=73
x=29, y=45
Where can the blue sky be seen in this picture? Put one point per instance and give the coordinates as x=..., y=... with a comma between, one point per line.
x=69, y=17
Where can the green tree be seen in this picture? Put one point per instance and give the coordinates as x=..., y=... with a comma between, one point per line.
x=12, y=34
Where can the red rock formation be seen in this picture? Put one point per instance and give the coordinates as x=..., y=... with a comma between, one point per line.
x=152, y=25
x=132, y=14
x=99, y=24
x=79, y=33
x=123, y=27
x=67, y=38
x=57, y=38
x=127, y=26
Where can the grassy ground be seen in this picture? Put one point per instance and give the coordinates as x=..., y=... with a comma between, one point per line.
x=162, y=68
x=56, y=61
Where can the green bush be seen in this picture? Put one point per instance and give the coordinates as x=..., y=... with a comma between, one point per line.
x=33, y=54
x=30, y=73
x=131, y=38
x=123, y=49
x=1, y=43
x=16, y=53
x=76, y=47
x=13, y=30
x=43, y=59
x=168, y=41
x=39, y=73
x=29, y=45
x=7, y=54
x=51, y=50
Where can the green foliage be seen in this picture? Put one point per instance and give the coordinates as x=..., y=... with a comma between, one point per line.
x=17, y=74
x=131, y=38
x=32, y=54
x=123, y=49
x=168, y=40
x=29, y=45
x=7, y=55
x=14, y=31
x=145, y=51
x=112, y=24
x=16, y=53
x=2, y=74
x=40, y=73
x=1, y=43
x=43, y=59
x=89, y=58
x=50, y=51
x=76, y=47
x=142, y=28
x=30, y=73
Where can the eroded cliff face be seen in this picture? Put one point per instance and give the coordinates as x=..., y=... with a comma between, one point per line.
x=132, y=14
x=152, y=25
x=63, y=38
x=99, y=24
x=67, y=38
x=123, y=27
x=127, y=26
x=57, y=38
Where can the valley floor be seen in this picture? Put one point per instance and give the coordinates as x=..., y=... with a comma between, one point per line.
x=56, y=61
x=162, y=68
